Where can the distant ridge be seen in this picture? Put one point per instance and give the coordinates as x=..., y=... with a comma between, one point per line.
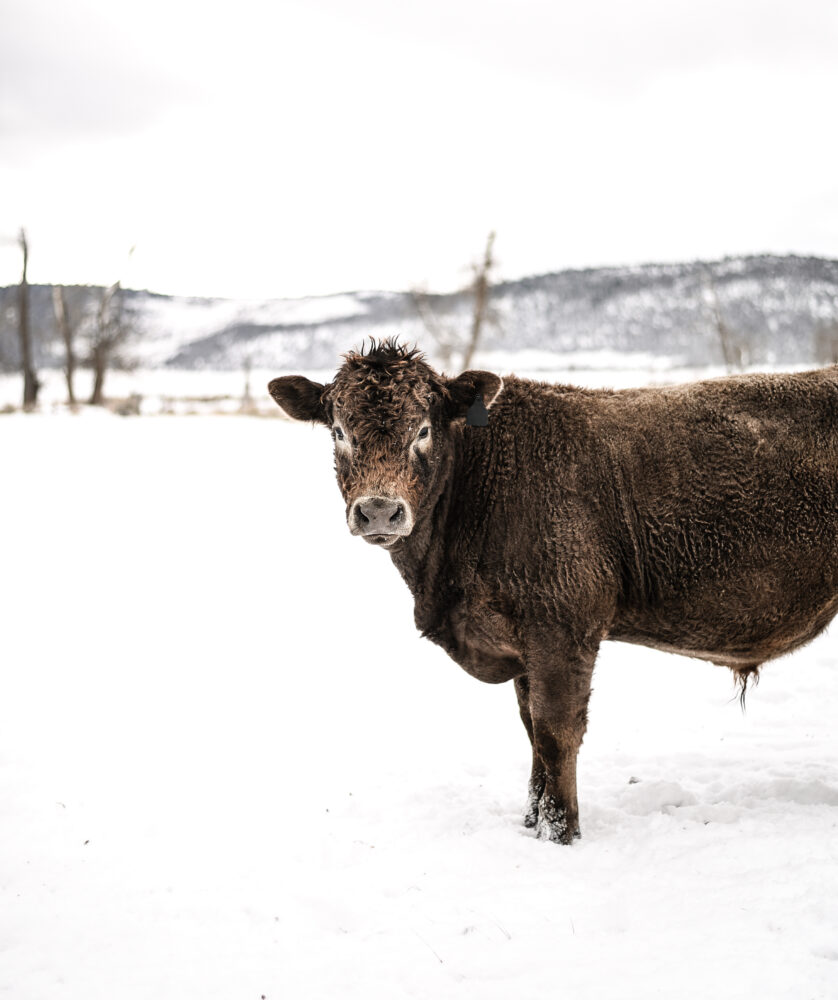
x=772, y=307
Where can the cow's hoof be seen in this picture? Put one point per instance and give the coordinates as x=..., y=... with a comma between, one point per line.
x=552, y=823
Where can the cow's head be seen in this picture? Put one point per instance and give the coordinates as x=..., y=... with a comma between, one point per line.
x=392, y=419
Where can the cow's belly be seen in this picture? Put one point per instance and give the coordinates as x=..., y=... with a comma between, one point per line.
x=725, y=635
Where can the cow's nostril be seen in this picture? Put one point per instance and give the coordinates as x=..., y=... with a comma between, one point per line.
x=361, y=515
x=397, y=515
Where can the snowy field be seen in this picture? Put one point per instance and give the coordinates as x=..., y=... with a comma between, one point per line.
x=162, y=391
x=229, y=768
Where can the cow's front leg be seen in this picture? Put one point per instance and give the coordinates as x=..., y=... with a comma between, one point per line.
x=537, y=775
x=559, y=689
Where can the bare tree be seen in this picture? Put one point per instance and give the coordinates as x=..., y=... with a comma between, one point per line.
x=69, y=317
x=30, y=378
x=248, y=405
x=8, y=322
x=445, y=337
x=826, y=342
x=449, y=340
x=733, y=352
x=112, y=328
x=480, y=289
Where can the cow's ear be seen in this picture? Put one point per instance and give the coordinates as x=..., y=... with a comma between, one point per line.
x=301, y=398
x=471, y=394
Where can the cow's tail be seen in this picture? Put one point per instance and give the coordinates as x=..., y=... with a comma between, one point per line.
x=743, y=676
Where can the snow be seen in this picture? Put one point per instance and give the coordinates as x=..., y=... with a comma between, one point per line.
x=166, y=390
x=229, y=767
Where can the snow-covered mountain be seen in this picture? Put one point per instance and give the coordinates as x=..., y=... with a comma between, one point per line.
x=774, y=310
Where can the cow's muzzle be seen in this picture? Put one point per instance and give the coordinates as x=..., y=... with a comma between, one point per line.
x=380, y=520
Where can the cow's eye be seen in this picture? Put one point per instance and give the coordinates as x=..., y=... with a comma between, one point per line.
x=338, y=433
x=423, y=433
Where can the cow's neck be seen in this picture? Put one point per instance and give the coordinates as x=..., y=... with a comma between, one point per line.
x=424, y=558
x=420, y=557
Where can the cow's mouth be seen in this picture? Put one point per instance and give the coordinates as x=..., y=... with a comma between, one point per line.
x=385, y=541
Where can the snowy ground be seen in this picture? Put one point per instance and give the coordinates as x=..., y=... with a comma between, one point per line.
x=204, y=391
x=229, y=768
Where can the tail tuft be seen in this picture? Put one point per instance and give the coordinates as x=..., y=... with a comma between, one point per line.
x=743, y=675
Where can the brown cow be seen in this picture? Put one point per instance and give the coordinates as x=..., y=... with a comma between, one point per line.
x=700, y=519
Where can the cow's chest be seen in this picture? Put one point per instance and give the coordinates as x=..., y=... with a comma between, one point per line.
x=480, y=635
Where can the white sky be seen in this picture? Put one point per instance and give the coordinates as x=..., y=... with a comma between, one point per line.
x=312, y=146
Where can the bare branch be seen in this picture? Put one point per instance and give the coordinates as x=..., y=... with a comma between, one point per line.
x=444, y=336
x=450, y=341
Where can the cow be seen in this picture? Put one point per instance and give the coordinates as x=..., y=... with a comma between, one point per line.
x=532, y=521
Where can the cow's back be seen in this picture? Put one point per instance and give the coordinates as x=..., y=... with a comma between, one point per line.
x=710, y=508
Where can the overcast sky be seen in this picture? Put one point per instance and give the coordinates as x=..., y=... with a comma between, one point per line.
x=316, y=146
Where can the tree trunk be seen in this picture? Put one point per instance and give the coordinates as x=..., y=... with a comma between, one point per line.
x=732, y=353
x=30, y=379
x=63, y=320
x=247, y=397
x=481, y=302
x=100, y=364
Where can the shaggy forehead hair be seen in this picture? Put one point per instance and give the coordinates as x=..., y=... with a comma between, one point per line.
x=385, y=384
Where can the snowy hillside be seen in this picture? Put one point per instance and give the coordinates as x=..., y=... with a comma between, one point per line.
x=229, y=767
x=773, y=308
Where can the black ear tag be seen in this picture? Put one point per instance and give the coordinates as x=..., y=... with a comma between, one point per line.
x=477, y=414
